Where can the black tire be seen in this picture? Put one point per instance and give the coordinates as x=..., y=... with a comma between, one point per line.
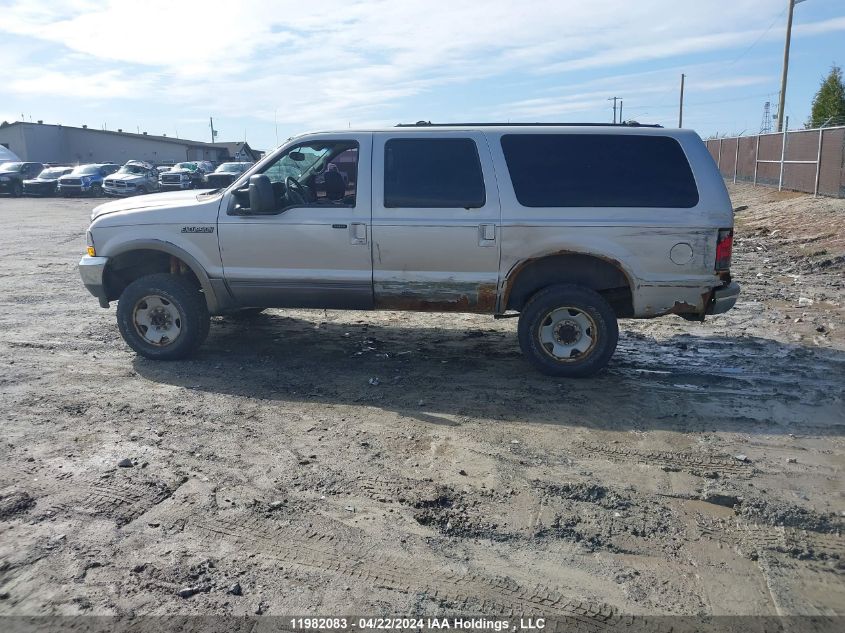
x=17, y=189
x=96, y=190
x=141, y=190
x=178, y=292
x=602, y=331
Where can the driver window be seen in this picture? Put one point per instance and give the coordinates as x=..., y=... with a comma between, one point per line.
x=316, y=174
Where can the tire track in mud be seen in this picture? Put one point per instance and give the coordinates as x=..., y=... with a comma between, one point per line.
x=463, y=591
x=122, y=500
x=754, y=539
x=693, y=463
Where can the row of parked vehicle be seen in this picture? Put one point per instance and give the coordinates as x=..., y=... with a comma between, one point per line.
x=134, y=178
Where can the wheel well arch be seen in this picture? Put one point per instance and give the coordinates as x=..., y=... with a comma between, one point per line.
x=604, y=275
x=135, y=260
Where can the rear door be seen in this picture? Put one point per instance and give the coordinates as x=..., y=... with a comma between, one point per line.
x=435, y=225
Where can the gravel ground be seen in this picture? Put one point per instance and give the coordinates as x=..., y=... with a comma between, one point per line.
x=702, y=473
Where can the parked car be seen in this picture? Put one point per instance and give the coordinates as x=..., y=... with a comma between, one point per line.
x=12, y=175
x=134, y=178
x=46, y=182
x=226, y=174
x=85, y=179
x=186, y=175
x=570, y=227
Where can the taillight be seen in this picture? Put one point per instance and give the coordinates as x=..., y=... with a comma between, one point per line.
x=724, y=246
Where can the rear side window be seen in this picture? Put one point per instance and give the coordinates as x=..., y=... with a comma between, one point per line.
x=437, y=172
x=599, y=170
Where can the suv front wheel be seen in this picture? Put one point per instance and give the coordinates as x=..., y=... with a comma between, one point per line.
x=568, y=331
x=163, y=317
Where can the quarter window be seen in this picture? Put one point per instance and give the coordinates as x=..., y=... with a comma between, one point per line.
x=599, y=170
x=432, y=173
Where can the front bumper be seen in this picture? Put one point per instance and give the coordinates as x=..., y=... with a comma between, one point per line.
x=74, y=190
x=724, y=298
x=175, y=186
x=92, y=269
x=39, y=188
x=120, y=191
x=7, y=186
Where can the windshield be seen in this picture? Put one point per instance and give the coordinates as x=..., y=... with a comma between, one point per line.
x=131, y=169
x=52, y=172
x=86, y=170
x=188, y=166
x=230, y=168
x=11, y=167
x=287, y=166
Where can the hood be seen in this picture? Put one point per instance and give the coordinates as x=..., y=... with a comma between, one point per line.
x=126, y=177
x=39, y=179
x=151, y=208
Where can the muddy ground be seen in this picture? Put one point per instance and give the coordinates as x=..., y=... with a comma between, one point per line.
x=702, y=473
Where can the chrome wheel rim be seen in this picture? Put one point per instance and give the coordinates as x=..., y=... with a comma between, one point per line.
x=567, y=334
x=157, y=320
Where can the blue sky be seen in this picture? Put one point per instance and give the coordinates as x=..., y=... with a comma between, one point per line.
x=266, y=69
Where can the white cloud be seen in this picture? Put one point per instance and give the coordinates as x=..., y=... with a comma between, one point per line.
x=327, y=63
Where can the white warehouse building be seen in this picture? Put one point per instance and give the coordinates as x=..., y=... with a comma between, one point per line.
x=63, y=144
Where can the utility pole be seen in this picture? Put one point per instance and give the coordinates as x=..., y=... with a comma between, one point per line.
x=621, y=120
x=782, y=100
x=681, y=103
x=211, y=124
x=614, y=99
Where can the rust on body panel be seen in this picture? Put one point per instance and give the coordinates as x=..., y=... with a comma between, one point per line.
x=513, y=274
x=436, y=297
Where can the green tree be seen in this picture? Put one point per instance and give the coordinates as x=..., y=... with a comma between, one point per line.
x=829, y=102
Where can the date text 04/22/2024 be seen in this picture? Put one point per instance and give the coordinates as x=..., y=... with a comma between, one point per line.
x=392, y=624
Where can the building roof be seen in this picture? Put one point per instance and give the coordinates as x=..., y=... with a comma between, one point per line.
x=240, y=147
x=164, y=139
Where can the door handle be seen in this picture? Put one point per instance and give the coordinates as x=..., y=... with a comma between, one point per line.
x=357, y=233
x=486, y=234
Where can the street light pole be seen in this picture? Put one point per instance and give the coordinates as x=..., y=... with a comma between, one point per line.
x=614, y=107
x=782, y=100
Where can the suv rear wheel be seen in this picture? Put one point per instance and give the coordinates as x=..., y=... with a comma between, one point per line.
x=568, y=330
x=163, y=317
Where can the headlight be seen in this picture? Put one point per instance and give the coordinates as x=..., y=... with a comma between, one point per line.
x=4, y=179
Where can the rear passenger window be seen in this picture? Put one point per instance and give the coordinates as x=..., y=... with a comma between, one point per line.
x=438, y=172
x=599, y=170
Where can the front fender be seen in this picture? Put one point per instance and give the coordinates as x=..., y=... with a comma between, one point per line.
x=216, y=293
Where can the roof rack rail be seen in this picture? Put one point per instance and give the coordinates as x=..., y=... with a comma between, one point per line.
x=538, y=124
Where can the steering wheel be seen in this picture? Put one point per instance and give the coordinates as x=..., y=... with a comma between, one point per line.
x=294, y=191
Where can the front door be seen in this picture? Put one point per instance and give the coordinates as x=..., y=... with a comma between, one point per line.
x=436, y=222
x=313, y=249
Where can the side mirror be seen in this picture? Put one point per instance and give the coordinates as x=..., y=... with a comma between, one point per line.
x=261, y=198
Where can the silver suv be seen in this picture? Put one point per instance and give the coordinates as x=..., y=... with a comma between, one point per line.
x=570, y=227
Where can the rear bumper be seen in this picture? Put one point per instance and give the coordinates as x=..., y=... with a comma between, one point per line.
x=724, y=298
x=91, y=269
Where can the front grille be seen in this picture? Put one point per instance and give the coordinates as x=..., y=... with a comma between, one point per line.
x=39, y=186
x=171, y=180
x=73, y=182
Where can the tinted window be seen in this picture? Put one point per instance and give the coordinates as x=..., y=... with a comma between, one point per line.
x=599, y=170
x=421, y=173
